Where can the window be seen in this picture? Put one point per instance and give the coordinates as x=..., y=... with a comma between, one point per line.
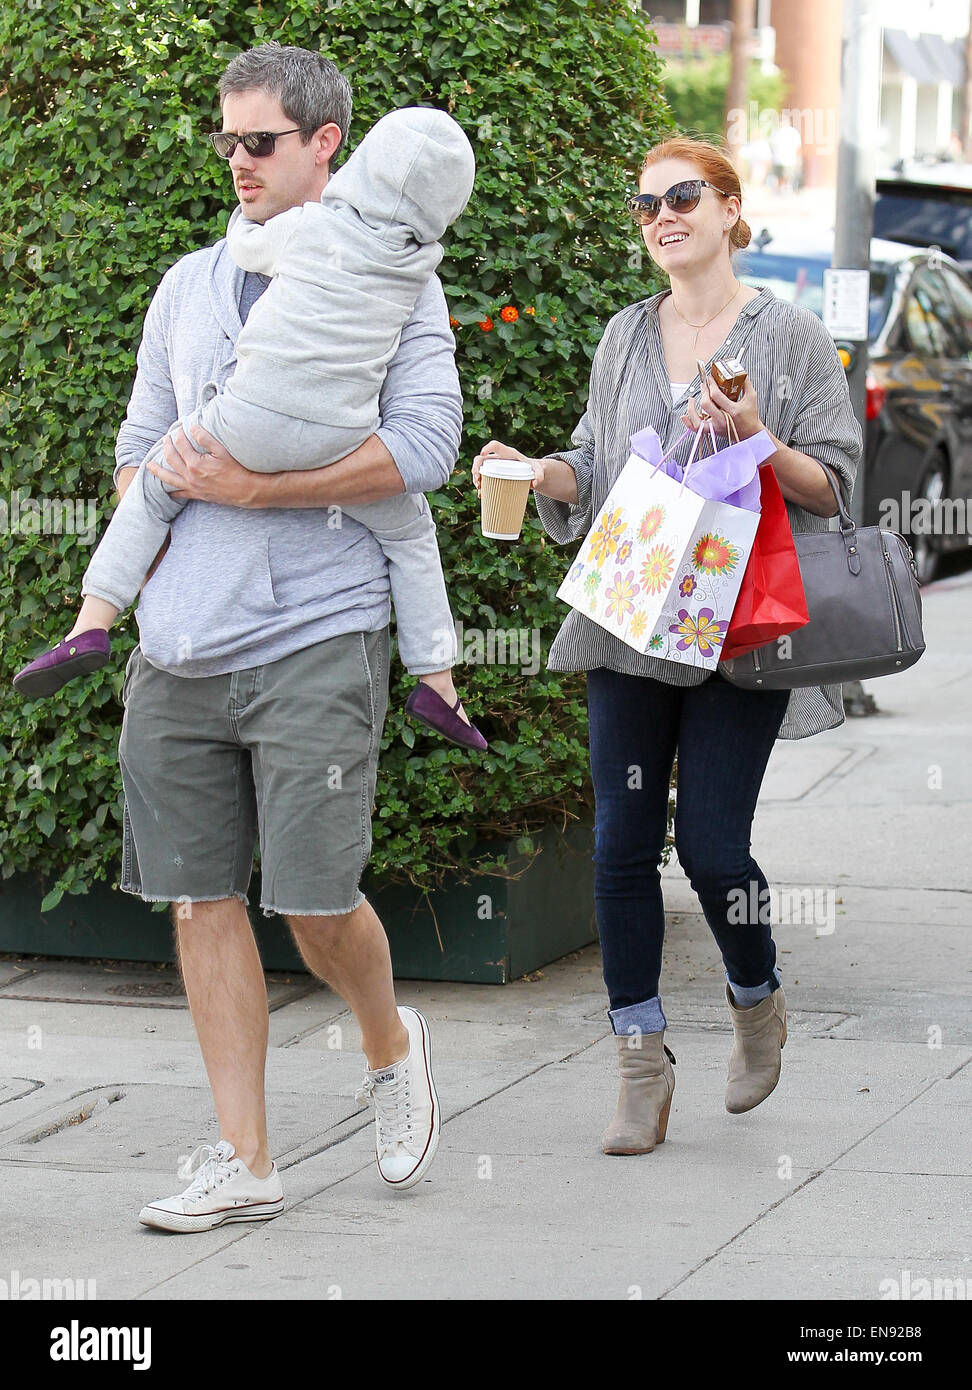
x=960, y=294
x=929, y=314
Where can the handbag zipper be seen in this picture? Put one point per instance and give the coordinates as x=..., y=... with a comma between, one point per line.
x=893, y=597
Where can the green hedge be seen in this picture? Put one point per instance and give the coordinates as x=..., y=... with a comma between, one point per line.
x=105, y=180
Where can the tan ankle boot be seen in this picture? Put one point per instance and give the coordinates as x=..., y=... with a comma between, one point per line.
x=647, y=1087
x=754, y=1066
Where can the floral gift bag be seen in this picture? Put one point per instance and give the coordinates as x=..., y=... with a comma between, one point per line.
x=662, y=566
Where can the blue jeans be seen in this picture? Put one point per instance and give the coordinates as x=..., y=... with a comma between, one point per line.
x=723, y=737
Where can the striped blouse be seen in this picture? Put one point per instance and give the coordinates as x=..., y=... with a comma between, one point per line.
x=803, y=399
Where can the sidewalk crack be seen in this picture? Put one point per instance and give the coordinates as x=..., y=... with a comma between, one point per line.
x=799, y=1188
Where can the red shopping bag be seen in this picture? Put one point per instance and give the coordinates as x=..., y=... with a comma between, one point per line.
x=771, y=601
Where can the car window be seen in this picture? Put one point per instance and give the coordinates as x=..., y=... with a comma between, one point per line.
x=960, y=294
x=799, y=279
x=928, y=317
x=926, y=218
x=879, y=298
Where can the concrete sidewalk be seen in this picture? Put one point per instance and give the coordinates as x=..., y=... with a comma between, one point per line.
x=849, y=1182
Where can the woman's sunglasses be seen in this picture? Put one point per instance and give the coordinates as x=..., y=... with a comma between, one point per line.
x=681, y=197
x=258, y=143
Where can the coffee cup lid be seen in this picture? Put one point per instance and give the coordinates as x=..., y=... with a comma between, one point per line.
x=515, y=469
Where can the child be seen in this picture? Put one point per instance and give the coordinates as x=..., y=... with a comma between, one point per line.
x=311, y=359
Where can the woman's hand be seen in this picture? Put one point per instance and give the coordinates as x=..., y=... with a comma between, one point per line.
x=497, y=450
x=744, y=412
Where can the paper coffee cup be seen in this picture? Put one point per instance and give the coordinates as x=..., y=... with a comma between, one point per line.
x=505, y=489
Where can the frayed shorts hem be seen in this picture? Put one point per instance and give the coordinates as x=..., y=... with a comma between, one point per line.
x=313, y=911
x=184, y=897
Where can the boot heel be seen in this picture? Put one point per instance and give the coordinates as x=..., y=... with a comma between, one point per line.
x=663, y=1118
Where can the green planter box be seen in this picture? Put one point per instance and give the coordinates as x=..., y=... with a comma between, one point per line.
x=488, y=931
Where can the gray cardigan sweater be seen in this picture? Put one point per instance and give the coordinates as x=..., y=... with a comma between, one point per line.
x=803, y=399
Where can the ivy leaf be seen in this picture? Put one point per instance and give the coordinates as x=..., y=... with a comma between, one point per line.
x=52, y=899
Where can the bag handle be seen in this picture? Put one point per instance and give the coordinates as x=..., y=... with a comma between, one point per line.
x=848, y=527
x=685, y=433
x=846, y=522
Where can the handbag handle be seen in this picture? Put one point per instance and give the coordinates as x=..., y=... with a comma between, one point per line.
x=848, y=527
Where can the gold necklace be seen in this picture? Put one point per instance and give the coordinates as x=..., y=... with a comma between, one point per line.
x=699, y=327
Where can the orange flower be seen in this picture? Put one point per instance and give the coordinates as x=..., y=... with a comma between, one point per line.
x=486, y=324
x=530, y=310
x=715, y=554
x=453, y=322
x=552, y=319
x=509, y=314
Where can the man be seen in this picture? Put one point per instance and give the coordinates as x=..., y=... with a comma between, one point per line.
x=254, y=704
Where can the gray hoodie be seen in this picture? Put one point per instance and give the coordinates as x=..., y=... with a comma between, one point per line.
x=239, y=587
x=354, y=261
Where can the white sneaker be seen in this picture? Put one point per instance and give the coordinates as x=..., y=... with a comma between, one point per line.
x=406, y=1108
x=223, y=1189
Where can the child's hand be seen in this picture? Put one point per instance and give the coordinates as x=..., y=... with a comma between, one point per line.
x=497, y=450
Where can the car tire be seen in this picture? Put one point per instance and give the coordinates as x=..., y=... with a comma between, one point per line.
x=933, y=487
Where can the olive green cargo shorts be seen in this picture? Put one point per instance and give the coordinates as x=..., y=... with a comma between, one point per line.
x=287, y=752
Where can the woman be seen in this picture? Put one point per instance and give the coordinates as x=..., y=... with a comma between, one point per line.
x=644, y=710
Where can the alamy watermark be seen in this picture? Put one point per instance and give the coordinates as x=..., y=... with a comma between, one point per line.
x=49, y=516
x=800, y=906
x=926, y=516
x=489, y=646
x=17, y=1287
x=816, y=125
x=911, y=1287
x=77, y=1343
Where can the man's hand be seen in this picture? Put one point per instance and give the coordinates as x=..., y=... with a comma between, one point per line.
x=214, y=476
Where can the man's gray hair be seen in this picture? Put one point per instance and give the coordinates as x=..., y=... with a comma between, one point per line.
x=308, y=86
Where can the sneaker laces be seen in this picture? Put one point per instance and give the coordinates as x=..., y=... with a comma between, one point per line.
x=204, y=1167
x=393, y=1109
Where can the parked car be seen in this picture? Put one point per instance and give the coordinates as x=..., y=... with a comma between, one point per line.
x=917, y=474
x=922, y=213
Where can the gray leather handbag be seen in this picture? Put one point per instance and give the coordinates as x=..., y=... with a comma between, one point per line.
x=861, y=586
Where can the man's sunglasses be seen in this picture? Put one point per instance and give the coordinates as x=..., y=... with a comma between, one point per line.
x=681, y=197
x=256, y=142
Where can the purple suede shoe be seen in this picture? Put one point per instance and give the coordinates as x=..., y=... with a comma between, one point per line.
x=430, y=709
x=76, y=656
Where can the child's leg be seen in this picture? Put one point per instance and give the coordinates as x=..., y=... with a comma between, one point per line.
x=404, y=529
x=111, y=582
x=136, y=533
x=134, y=536
x=267, y=441
x=262, y=440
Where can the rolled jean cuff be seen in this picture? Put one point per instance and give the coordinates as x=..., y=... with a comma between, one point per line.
x=646, y=1017
x=747, y=995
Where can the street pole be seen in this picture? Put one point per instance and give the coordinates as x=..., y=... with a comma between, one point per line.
x=854, y=219
x=740, y=53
